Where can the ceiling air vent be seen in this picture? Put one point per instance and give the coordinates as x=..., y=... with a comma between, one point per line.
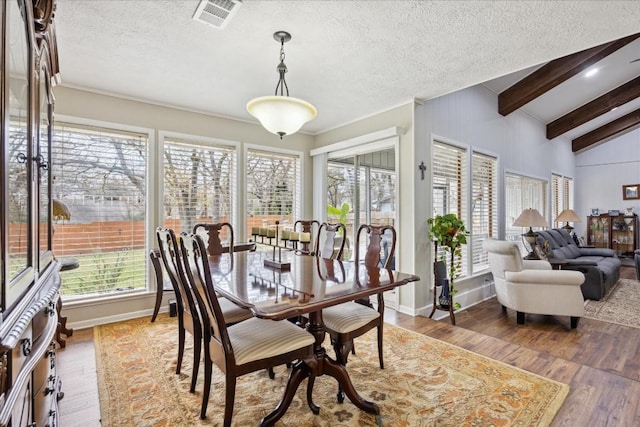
x=216, y=13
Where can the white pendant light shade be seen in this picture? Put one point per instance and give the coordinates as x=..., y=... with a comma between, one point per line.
x=281, y=115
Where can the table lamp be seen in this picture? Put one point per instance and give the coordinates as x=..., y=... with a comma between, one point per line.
x=530, y=218
x=568, y=215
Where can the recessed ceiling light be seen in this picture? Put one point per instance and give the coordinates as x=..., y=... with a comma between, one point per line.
x=591, y=72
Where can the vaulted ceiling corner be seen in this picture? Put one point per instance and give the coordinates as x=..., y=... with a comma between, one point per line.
x=605, y=103
x=555, y=72
x=593, y=107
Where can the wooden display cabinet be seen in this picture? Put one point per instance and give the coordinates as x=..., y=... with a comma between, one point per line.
x=29, y=277
x=619, y=233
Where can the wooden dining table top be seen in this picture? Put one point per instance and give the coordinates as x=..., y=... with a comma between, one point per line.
x=310, y=284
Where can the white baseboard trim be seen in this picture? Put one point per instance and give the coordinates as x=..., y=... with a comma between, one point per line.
x=90, y=323
x=467, y=299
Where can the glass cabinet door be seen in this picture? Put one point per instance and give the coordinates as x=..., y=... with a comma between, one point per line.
x=18, y=152
x=43, y=150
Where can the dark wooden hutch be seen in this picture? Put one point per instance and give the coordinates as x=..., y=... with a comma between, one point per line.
x=617, y=232
x=29, y=384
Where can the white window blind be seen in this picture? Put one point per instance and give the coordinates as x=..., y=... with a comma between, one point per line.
x=522, y=192
x=199, y=184
x=567, y=196
x=273, y=188
x=449, y=181
x=556, y=197
x=484, y=206
x=561, y=195
x=99, y=174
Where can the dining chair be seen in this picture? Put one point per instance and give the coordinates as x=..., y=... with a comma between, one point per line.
x=330, y=240
x=162, y=283
x=347, y=321
x=239, y=349
x=212, y=231
x=189, y=318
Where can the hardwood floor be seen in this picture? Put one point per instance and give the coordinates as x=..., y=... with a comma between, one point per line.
x=600, y=361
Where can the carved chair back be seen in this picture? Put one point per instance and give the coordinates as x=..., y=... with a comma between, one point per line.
x=214, y=242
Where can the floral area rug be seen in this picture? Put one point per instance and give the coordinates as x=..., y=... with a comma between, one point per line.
x=621, y=305
x=425, y=382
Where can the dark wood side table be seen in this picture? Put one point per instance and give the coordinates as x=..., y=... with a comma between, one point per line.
x=66, y=264
x=557, y=263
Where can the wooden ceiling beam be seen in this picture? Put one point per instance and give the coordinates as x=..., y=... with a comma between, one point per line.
x=603, y=104
x=622, y=124
x=553, y=73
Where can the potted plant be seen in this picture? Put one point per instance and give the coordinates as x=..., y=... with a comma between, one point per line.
x=340, y=214
x=449, y=232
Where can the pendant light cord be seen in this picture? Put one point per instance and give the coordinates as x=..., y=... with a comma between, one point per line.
x=282, y=69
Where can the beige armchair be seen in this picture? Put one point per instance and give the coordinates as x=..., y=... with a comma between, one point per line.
x=529, y=286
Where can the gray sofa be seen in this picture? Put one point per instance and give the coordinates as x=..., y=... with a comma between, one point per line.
x=601, y=267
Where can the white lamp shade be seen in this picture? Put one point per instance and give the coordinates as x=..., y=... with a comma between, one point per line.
x=568, y=215
x=530, y=218
x=281, y=115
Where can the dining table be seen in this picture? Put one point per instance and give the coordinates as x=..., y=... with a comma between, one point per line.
x=289, y=285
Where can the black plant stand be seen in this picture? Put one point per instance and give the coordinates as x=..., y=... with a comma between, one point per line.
x=437, y=306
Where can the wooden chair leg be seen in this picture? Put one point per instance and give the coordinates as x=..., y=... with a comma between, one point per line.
x=197, y=349
x=156, y=309
x=180, y=349
x=208, y=369
x=229, y=399
x=380, y=357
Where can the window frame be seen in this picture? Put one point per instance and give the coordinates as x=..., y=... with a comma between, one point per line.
x=469, y=269
x=508, y=222
x=150, y=196
x=165, y=137
x=241, y=232
x=562, y=195
x=494, y=209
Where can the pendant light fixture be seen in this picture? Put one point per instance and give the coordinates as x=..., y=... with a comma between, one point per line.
x=281, y=114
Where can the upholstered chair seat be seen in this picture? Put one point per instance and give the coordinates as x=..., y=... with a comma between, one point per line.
x=256, y=339
x=348, y=317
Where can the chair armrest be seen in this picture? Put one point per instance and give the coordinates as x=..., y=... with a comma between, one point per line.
x=535, y=264
x=597, y=252
x=578, y=261
x=545, y=277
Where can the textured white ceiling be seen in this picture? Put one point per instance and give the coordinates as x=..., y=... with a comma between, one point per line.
x=350, y=59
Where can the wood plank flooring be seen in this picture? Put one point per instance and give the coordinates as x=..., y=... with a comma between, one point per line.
x=600, y=361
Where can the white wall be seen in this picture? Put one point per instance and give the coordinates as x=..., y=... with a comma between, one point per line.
x=470, y=117
x=602, y=171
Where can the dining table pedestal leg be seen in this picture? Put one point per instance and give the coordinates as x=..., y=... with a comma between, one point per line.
x=314, y=366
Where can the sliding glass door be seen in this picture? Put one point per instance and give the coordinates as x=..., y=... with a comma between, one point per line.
x=361, y=190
